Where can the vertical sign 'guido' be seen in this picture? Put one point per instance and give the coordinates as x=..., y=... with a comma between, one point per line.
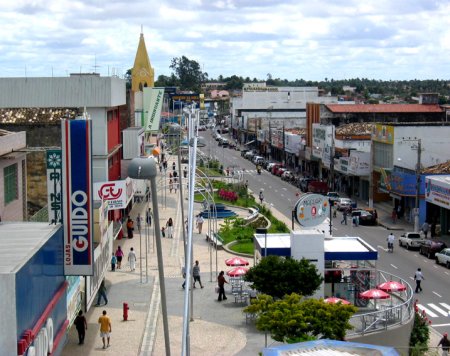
x=77, y=188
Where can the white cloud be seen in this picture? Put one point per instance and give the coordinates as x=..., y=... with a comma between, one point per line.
x=290, y=39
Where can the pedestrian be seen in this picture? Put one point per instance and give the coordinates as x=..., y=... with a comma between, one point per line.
x=418, y=277
x=163, y=231
x=399, y=211
x=139, y=222
x=221, y=282
x=132, y=259
x=200, y=222
x=445, y=343
x=175, y=175
x=130, y=227
x=183, y=273
x=102, y=294
x=105, y=328
x=174, y=167
x=394, y=215
x=175, y=184
x=433, y=230
x=170, y=185
x=169, y=226
x=261, y=196
x=161, y=167
x=148, y=217
x=334, y=210
x=113, y=262
x=246, y=184
x=81, y=326
x=344, y=217
x=170, y=175
x=196, y=274
x=185, y=172
x=119, y=255
x=425, y=228
x=165, y=165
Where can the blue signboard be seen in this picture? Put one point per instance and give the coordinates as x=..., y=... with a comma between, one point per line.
x=405, y=183
x=77, y=187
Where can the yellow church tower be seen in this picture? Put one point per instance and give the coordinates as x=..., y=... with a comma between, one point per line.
x=142, y=74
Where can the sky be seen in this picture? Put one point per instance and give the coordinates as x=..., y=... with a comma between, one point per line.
x=290, y=39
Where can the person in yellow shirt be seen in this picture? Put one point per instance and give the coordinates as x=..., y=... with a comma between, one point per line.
x=105, y=328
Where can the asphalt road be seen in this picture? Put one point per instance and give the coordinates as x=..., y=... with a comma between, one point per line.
x=435, y=298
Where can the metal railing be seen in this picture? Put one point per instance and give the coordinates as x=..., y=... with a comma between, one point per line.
x=396, y=310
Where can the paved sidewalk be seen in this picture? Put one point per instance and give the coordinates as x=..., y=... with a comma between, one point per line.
x=217, y=329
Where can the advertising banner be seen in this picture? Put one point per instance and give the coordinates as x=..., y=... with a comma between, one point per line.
x=437, y=190
x=54, y=180
x=312, y=210
x=292, y=143
x=153, y=100
x=77, y=197
x=114, y=193
x=384, y=134
x=359, y=163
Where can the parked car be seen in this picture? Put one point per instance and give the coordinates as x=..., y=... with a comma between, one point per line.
x=410, y=240
x=244, y=151
x=443, y=257
x=249, y=154
x=225, y=142
x=276, y=167
x=333, y=196
x=279, y=172
x=270, y=165
x=201, y=128
x=364, y=217
x=257, y=159
x=303, y=183
x=287, y=175
x=344, y=203
x=430, y=247
x=232, y=145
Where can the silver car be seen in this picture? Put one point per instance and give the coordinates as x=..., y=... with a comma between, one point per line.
x=344, y=203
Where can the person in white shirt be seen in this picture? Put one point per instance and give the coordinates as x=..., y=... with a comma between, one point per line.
x=200, y=222
x=390, y=241
x=132, y=259
x=418, y=277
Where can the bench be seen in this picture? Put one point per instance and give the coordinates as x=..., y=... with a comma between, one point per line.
x=215, y=240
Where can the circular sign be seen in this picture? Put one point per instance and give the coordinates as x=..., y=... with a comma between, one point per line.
x=312, y=210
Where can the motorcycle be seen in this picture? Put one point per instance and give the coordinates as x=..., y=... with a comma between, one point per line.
x=258, y=169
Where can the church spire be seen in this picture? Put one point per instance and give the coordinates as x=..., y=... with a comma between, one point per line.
x=142, y=74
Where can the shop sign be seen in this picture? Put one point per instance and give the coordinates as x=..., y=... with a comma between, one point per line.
x=359, y=163
x=77, y=187
x=312, y=210
x=114, y=193
x=437, y=190
x=292, y=143
x=54, y=180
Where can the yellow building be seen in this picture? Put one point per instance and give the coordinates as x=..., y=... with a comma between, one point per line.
x=142, y=74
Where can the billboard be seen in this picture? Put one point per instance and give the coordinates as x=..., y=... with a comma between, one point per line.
x=54, y=179
x=153, y=100
x=114, y=193
x=312, y=210
x=437, y=190
x=77, y=197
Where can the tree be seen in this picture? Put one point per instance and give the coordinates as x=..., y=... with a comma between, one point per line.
x=188, y=73
x=294, y=319
x=277, y=276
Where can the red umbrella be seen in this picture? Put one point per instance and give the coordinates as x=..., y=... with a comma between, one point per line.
x=374, y=294
x=236, y=261
x=237, y=272
x=334, y=300
x=392, y=286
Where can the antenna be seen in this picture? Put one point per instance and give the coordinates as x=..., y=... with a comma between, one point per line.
x=95, y=64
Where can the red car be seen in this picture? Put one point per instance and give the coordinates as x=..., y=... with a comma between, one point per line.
x=276, y=167
x=430, y=247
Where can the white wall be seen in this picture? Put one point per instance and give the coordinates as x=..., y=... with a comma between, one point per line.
x=8, y=321
x=359, y=145
x=435, y=145
x=309, y=244
x=99, y=169
x=99, y=131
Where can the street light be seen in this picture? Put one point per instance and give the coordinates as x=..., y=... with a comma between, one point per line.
x=145, y=168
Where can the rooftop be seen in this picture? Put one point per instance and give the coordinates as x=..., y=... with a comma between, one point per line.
x=441, y=168
x=16, y=248
x=383, y=108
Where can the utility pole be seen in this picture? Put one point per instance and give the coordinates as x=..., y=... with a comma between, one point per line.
x=416, y=216
x=371, y=174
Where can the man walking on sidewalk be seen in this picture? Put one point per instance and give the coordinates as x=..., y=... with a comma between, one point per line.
x=105, y=328
x=132, y=259
x=196, y=274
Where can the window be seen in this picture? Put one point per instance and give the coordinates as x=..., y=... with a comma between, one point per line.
x=10, y=178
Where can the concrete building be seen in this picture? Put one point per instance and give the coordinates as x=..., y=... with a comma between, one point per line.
x=13, y=196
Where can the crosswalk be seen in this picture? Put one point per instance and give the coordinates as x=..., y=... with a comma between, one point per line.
x=435, y=310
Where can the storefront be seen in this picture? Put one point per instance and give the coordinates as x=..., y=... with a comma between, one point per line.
x=437, y=197
x=33, y=289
